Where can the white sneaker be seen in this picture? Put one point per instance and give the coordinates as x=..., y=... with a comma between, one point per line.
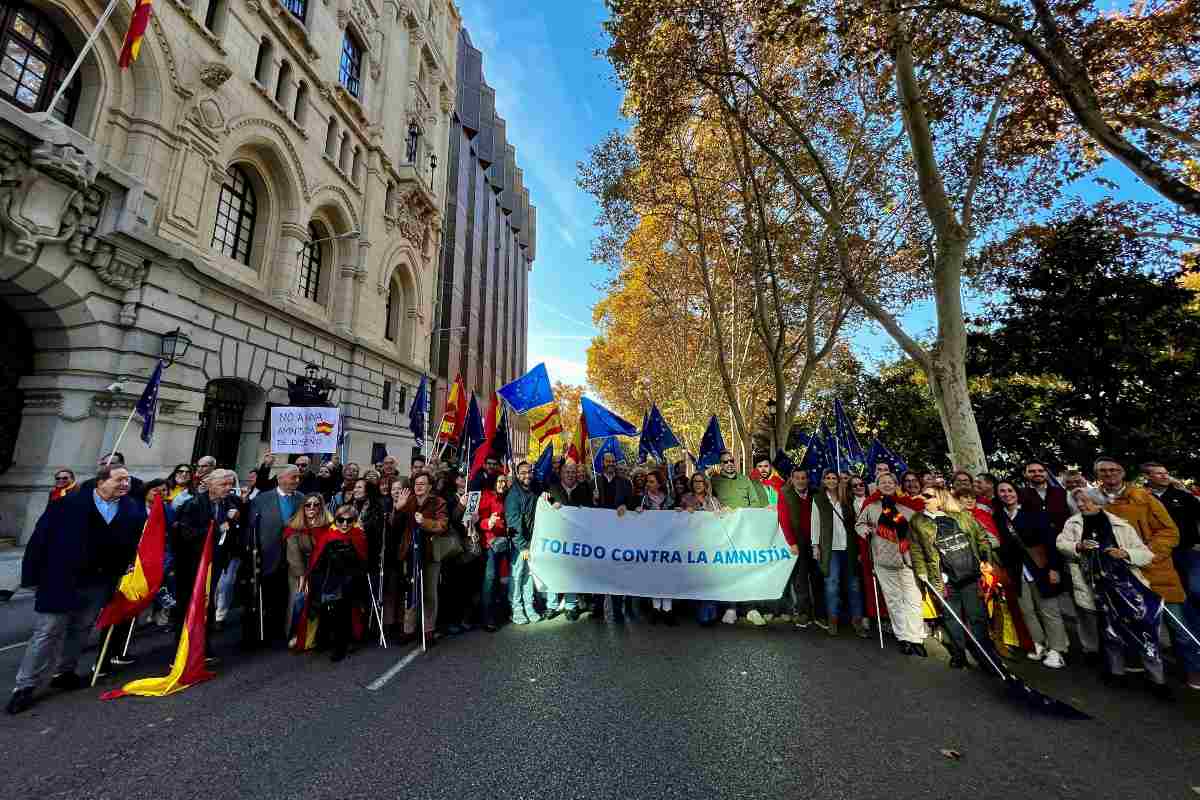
x=730, y=617
x=1053, y=660
x=756, y=619
x=1037, y=654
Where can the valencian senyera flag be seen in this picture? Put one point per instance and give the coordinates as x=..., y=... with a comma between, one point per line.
x=455, y=414
x=188, y=668
x=138, y=587
x=137, y=31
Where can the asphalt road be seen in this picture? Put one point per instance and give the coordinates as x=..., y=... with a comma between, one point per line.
x=588, y=711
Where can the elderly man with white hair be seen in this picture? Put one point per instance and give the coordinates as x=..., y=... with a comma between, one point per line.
x=269, y=513
x=217, y=508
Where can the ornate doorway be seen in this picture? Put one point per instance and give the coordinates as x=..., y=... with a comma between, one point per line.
x=220, y=431
x=16, y=360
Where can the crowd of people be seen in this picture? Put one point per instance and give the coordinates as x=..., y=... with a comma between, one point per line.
x=330, y=556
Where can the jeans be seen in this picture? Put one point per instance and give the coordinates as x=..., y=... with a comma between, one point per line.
x=614, y=606
x=520, y=589
x=226, y=586
x=58, y=639
x=965, y=602
x=839, y=570
x=490, y=593
x=1185, y=648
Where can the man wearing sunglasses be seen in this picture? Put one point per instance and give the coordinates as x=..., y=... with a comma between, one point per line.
x=734, y=490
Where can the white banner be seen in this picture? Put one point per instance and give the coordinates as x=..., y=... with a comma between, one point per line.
x=734, y=557
x=304, y=430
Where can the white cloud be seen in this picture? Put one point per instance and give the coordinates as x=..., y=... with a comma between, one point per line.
x=561, y=369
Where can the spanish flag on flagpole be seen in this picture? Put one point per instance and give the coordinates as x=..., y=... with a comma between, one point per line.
x=137, y=31
x=188, y=668
x=136, y=590
x=455, y=414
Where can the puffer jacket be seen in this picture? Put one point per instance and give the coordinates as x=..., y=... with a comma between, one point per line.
x=1154, y=525
x=1129, y=541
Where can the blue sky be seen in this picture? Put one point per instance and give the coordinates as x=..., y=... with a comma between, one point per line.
x=559, y=98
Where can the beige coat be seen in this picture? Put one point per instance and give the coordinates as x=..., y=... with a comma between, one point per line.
x=1127, y=537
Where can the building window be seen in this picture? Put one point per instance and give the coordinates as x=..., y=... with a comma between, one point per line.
x=34, y=58
x=389, y=313
x=298, y=8
x=235, y=216
x=214, y=17
x=283, y=84
x=386, y=405
x=262, y=65
x=310, y=265
x=350, y=70
x=301, y=112
x=331, y=138
x=402, y=400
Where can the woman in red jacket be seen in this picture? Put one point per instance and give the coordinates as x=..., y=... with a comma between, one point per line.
x=496, y=548
x=333, y=578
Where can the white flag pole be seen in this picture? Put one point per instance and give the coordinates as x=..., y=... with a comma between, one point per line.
x=83, y=53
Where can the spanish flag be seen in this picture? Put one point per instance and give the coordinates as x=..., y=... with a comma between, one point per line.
x=545, y=429
x=455, y=414
x=188, y=668
x=137, y=30
x=577, y=451
x=136, y=590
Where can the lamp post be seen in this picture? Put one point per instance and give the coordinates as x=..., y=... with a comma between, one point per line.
x=772, y=409
x=414, y=135
x=432, y=169
x=174, y=345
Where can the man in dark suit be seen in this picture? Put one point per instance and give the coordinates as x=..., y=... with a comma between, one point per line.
x=137, y=489
x=269, y=515
x=612, y=491
x=1039, y=495
x=81, y=547
x=568, y=490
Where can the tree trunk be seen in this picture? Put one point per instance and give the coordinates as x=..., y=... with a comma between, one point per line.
x=948, y=381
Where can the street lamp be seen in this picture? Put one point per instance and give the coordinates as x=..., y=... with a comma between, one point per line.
x=432, y=168
x=174, y=345
x=772, y=408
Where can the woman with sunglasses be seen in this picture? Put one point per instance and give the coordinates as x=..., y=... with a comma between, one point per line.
x=884, y=523
x=701, y=499
x=64, y=484
x=333, y=578
x=299, y=537
x=178, y=482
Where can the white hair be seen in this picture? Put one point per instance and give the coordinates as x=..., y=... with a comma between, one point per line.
x=220, y=475
x=1095, y=495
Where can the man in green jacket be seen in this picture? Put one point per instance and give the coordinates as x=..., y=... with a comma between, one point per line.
x=733, y=490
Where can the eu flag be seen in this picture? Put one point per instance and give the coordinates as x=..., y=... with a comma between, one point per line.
x=610, y=445
x=878, y=453
x=850, y=452
x=711, y=445
x=657, y=436
x=543, y=470
x=602, y=423
x=147, y=404
x=474, y=425
x=500, y=443
x=816, y=459
x=416, y=413
x=528, y=391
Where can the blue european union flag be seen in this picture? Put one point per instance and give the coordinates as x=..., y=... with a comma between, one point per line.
x=850, y=452
x=610, y=445
x=544, y=468
x=474, y=425
x=529, y=391
x=416, y=413
x=602, y=423
x=711, y=445
x=878, y=453
x=147, y=404
x=657, y=435
x=816, y=459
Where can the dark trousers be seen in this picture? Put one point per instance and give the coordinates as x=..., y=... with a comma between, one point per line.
x=335, y=623
x=798, y=593
x=491, y=594
x=276, y=601
x=966, y=603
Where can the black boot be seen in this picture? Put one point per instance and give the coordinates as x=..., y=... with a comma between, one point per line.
x=20, y=701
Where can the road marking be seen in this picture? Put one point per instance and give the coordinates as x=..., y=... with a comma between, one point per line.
x=14, y=646
x=382, y=680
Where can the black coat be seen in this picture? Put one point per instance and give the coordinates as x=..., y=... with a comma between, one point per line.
x=1184, y=508
x=579, y=496
x=72, y=548
x=613, y=494
x=1027, y=539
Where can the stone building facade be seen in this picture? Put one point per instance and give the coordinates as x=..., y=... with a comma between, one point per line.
x=264, y=179
x=490, y=236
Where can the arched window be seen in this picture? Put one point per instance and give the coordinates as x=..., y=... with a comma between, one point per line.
x=356, y=166
x=283, y=86
x=301, y=112
x=391, y=312
x=262, y=67
x=236, y=208
x=34, y=58
x=214, y=17
x=310, y=265
x=389, y=199
x=350, y=67
x=344, y=157
x=331, y=138
x=299, y=8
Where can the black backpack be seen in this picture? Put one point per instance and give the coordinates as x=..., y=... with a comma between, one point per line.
x=959, y=561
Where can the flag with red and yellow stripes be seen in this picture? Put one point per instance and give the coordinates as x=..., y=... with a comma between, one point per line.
x=137, y=30
x=138, y=587
x=455, y=414
x=188, y=668
x=545, y=429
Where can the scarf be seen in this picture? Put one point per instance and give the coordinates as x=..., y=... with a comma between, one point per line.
x=892, y=524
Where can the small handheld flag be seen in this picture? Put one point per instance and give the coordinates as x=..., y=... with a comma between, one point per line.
x=711, y=445
x=543, y=470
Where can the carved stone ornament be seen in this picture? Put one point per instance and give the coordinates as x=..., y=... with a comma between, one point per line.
x=42, y=193
x=214, y=74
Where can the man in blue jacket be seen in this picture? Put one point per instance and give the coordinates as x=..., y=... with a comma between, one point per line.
x=79, y=550
x=519, y=508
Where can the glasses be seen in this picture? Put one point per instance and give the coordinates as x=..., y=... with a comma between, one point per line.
x=345, y=520
x=726, y=460
x=61, y=478
x=313, y=504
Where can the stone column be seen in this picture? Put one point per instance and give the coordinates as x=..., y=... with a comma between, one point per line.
x=292, y=239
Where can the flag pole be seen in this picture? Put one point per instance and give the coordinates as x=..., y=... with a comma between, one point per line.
x=124, y=429
x=83, y=53
x=128, y=637
x=103, y=652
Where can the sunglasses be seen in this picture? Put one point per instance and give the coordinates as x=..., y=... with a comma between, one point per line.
x=345, y=520
x=726, y=460
x=313, y=504
x=60, y=478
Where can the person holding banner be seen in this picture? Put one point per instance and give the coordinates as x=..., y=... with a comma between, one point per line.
x=701, y=499
x=884, y=524
x=79, y=550
x=568, y=491
x=655, y=498
x=520, y=508
x=615, y=492
x=735, y=490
